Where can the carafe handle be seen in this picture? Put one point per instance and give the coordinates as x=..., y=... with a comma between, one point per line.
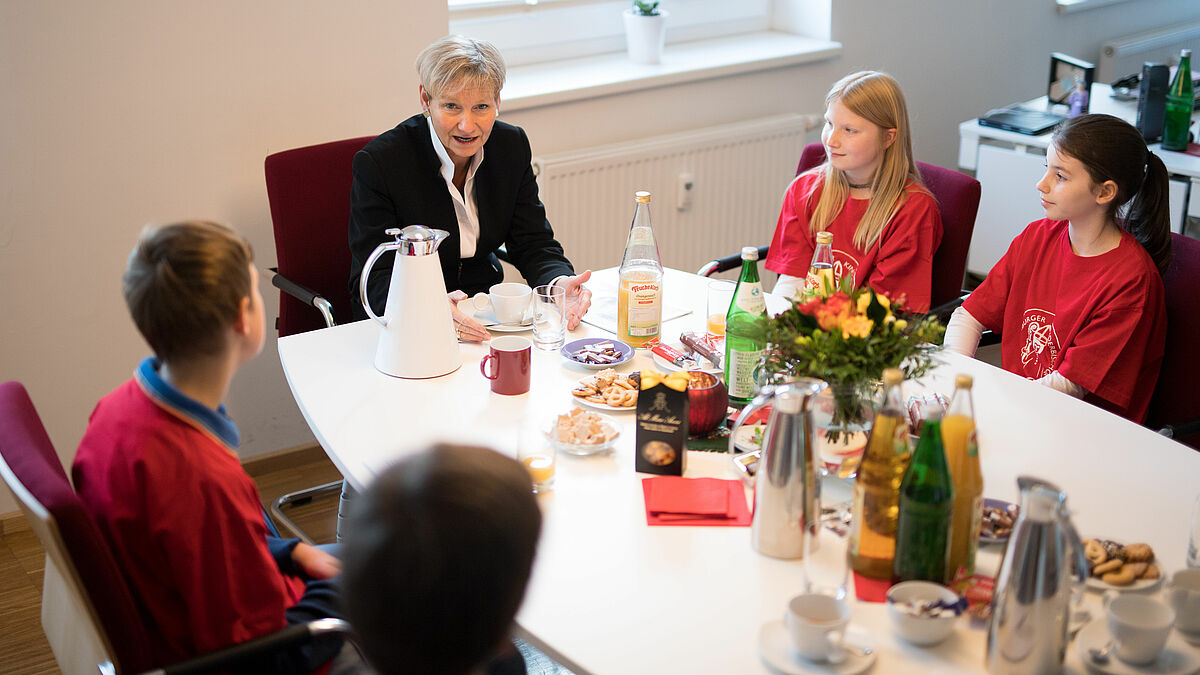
x=366, y=272
x=1077, y=548
x=763, y=398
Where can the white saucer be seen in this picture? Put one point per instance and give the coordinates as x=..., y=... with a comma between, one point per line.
x=488, y=318
x=775, y=648
x=1177, y=658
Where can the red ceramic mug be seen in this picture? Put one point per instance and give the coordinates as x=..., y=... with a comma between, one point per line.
x=507, y=364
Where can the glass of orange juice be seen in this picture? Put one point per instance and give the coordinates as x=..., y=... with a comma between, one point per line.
x=537, y=454
x=720, y=294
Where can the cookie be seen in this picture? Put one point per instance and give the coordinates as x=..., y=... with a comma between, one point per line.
x=1138, y=568
x=1139, y=553
x=1122, y=577
x=1152, y=572
x=1107, y=567
x=1094, y=552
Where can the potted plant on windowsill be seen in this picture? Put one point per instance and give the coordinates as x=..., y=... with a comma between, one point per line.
x=645, y=31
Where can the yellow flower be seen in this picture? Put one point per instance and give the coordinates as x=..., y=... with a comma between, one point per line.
x=883, y=300
x=864, y=301
x=803, y=339
x=857, y=326
x=889, y=318
x=901, y=324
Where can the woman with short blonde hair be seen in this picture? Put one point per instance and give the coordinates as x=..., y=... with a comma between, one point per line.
x=868, y=193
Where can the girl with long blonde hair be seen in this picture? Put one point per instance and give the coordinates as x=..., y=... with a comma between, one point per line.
x=868, y=193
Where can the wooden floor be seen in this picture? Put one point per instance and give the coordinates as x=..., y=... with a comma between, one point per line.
x=23, y=646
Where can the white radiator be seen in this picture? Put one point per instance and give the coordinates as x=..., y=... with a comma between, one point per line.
x=1125, y=56
x=713, y=191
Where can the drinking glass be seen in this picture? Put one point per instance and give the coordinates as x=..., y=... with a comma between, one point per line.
x=549, y=317
x=720, y=294
x=1193, y=551
x=826, y=569
x=537, y=454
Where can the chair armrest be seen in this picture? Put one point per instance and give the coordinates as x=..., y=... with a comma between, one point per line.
x=304, y=294
x=274, y=642
x=1181, y=429
x=727, y=263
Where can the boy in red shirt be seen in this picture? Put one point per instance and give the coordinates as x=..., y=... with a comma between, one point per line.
x=158, y=469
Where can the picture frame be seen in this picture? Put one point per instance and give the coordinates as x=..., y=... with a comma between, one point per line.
x=1070, y=81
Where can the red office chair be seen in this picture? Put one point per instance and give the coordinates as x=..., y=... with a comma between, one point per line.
x=1175, y=406
x=309, y=192
x=88, y=612
x=957, y=196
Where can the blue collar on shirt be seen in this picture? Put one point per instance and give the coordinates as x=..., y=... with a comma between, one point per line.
x=215, y=421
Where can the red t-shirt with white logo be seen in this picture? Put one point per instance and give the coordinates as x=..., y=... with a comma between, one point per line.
x=900, y=260
x=1099, y=321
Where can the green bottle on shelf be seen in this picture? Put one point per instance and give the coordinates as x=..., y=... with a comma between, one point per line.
x=926, y=510
x=1180, y=99
x=745, y=342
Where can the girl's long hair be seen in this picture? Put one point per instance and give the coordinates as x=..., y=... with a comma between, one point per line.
x=876, y=97
x=1112, y=149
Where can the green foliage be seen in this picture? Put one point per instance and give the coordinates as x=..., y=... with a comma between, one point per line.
x=643, y=8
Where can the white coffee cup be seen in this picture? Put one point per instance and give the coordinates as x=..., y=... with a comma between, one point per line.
x=509, y=302
x=1183, y=593
x=1139, y=627
x=817, y=623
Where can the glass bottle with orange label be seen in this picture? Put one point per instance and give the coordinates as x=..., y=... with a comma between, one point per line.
x=820, y=280
x=639, y=294
x=962, y=454
x=872, y=545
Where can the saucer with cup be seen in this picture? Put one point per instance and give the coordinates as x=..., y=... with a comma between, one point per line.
x=815, y=637
x=1183, y=594
x=504, y=307
x=1135, y=636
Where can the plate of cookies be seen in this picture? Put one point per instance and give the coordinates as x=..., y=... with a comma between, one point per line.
x=608, y=390
x=583, y=432
x=1122, y=567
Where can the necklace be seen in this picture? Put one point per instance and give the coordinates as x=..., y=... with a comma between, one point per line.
x=858, y=187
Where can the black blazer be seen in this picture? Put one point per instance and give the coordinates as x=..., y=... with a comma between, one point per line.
x=397, y=182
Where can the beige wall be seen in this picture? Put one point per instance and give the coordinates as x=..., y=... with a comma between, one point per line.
x=120, y=113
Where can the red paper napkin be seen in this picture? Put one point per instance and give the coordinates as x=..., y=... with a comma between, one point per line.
x=674, y=500
x=870, y=590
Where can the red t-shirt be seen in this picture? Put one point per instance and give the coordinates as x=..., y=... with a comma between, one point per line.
x=184, y=522
x=1099, y=321
x=900, y=260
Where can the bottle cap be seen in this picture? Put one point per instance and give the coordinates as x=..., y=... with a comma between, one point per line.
x=749, y=253
x=963, y=381
x=825, y=237
x=892, y=376
x=641, y=197
x=1185, y=53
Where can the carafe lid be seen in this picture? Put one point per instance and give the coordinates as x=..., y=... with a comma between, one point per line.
x=417, y=239
x=1040, y=500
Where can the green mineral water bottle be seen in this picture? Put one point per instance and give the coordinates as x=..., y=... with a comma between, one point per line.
x=926, y=510
x=745, y=340
x=1180, y=99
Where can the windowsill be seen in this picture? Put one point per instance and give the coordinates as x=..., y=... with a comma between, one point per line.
x=542, y=84
x=1070, y=6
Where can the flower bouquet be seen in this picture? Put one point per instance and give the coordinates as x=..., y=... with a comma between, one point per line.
x=847, y=336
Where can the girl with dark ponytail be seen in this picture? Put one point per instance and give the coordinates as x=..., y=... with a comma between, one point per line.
x=1078, y=297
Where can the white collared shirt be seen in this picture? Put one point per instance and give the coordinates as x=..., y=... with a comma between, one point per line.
x=464, y=204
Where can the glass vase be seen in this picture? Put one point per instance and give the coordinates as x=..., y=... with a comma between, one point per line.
x=842, y=420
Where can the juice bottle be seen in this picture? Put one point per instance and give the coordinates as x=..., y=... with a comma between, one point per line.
x=820, y=281
x=923, y=526
x=962, y=455
x=639, y=291
x=745, y=339
x=872, y=545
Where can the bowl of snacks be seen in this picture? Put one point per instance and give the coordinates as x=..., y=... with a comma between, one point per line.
x=583, y=432
x=997, y=522
x=923, y=612
x=597, y=353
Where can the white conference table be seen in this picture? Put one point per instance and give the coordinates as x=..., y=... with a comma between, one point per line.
x=611, y=595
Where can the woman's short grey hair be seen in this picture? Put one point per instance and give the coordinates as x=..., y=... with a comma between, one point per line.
x=454, y=61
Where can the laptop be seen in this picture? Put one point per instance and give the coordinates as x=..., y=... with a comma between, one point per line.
x=1022, y=120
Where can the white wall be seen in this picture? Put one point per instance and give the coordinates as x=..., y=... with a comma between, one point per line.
x=120, y=113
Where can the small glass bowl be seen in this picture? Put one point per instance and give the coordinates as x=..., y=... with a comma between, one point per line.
x=583, y=448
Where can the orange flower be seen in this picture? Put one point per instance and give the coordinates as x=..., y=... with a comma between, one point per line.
x=810, y=306
x=857, y=326
x=833, y=311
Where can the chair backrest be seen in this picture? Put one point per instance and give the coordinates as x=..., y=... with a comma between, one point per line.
x=957, y=196
x=1176, y=398
x=33, y=472
x=309, y=192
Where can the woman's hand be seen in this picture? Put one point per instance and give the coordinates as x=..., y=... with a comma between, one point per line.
x=314, y=562
x=467, y=328
x=578, y=298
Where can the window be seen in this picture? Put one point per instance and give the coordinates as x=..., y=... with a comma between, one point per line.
x=534, y=31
